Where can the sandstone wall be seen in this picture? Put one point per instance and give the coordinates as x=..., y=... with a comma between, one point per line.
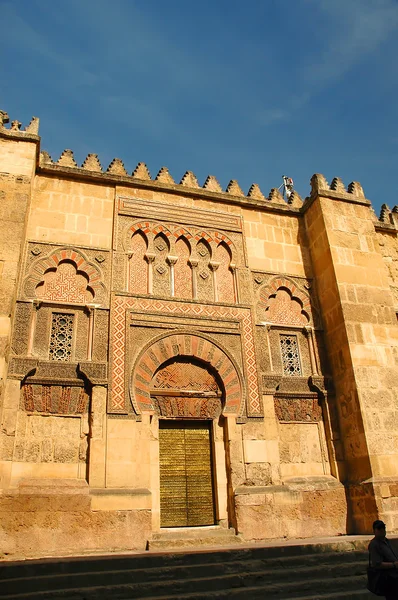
x=71, y=212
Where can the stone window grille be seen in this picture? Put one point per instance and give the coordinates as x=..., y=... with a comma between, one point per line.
x=290, y=355
x=61, y=336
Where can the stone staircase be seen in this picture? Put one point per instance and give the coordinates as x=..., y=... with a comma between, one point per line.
x=333, y=570
x=193, y=537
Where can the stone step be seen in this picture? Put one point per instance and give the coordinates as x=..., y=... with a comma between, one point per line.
x=272, y=554
x=259, y=569
x=261, y=594
x=194, y=537
x=228, y=559
x=219, y=587
x=294, y=571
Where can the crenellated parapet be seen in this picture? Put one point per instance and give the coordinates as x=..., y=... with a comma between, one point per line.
x=14, y=127
x=388, y=218
x=142, y=176
x=319, y=186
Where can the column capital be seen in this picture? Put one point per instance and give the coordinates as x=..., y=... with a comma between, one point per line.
x=150, y=256
x=172, y=260
x=213, y=265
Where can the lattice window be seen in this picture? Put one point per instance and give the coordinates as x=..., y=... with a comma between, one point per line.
x=61, y=336
x=290, y=355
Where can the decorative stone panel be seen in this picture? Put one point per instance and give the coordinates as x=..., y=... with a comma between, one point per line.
x=285, y=300
x=101, y=335
x=57, y=399
x=66, y=274
x=213, y=317
x=298, y=409
x=21, y=328
x=185, y=345
x=138, y=267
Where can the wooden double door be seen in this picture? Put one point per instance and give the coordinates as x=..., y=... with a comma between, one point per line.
x=186, y=474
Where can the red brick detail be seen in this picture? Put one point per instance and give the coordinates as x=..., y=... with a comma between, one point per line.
x=171, y=346
x=285, y=303
x=120, y=304
x=63, y=287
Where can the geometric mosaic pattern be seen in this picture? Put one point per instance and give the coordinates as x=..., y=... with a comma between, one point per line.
x=118, y=340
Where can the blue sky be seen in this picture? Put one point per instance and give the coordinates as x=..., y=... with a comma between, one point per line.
x=240, y=90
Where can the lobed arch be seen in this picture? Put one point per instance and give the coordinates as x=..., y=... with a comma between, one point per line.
x=186, y=345
x=269, y=292
x=51, y=262
x=150, y=229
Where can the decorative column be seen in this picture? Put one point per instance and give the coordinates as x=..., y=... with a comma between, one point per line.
x=194, y=266
x=128, y=271
x=172, y=261
x=90, y=311
x=308, y=332
x=35, y=307
x=150, y=257
x=213, y=267
x=267, y=328
x=232, y=268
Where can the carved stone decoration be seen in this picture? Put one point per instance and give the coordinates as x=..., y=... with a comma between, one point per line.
x=182, y=270
x=284, y=309
x=161, y=278
x=58, y=399
x=96, y=373
x=187, y=407
x=225, y=278
x=64, y=275
x=138, y=278
x=19, y=368
x=298, y=409
x=270, y=383
x=65, y=284
x=185, y=389
x=184, y=347
x=205, y=281
x=101, y=336
x=120, y=353
x=282, y=302
x=21, y=328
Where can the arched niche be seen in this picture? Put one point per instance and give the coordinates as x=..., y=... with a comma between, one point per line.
x=138, y=267
x=187, y=348
x=224, y=275
x=182, y=269
x=185, y=387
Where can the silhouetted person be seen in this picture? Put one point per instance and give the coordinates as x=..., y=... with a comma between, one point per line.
x=383, y=557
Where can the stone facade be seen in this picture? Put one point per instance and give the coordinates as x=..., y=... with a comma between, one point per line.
x=128, y=303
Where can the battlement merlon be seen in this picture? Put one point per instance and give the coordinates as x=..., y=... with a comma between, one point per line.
x=140, y=177
x=15, y=127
